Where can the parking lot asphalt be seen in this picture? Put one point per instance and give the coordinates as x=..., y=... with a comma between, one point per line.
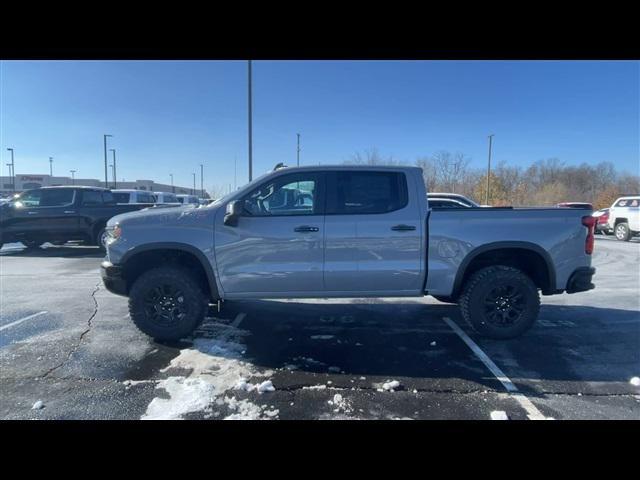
x=68, y=343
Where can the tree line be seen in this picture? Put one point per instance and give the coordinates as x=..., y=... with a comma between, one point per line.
x=543, y=183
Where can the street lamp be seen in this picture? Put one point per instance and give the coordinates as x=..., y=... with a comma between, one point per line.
x=51, y=166
x=201, y=181
x=106, y=180
x=73, y=176
x=486, y=198
x=115, y=180
x=12, y=172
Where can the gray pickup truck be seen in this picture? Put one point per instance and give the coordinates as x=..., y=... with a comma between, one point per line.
x=345, y=231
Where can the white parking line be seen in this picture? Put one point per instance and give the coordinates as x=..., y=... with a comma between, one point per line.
x=238, y=319
x=532, y=412
x=9, y=325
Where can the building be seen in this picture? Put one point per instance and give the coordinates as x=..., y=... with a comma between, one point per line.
x=26, y=182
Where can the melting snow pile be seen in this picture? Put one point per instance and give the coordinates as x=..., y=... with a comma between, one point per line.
x=390, y=386
x=635, y=381
x=341, y=404
x=38, y=405
x=215, y=364
x=499, y=415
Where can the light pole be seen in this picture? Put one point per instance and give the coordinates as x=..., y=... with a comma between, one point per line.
x=201, y=181
x=12, y=172
x=51, y=166
x=73, y=177
x=112, y=172
x=173, y=189
x=115, y=180
x=486, y=199
x=235, y=177
x=194, y=184
x=298, y=149
x=106, y=180
x=250, y=128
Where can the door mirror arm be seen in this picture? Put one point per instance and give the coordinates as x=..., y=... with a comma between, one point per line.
x=233, y=212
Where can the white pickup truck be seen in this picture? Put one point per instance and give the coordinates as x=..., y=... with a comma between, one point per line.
x=624, y=217
x=345, y=231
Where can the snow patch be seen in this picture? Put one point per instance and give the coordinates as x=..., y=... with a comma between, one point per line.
x=266, y=386
x=635, y=381
x=499, y=415
x=38, y=405
x=390, y=386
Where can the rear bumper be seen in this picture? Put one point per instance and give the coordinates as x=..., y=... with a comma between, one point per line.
x=580, y=280
x=112, y=278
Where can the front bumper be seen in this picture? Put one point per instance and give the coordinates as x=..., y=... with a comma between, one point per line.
x=112, y=278
x=580, y=280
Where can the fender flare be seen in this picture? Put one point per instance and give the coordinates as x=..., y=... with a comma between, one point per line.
x=183, y=247
x=523, y=245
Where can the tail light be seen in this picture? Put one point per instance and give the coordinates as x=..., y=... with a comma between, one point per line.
x=590, y=223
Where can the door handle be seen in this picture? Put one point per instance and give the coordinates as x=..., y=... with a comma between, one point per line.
x=69, y=211
x=32, y=213
x=403, y=228
x=306, y=229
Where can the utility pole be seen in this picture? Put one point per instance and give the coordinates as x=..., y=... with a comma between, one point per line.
x=51, y=166
x=201, y=181
x=235, y=176
x=486, y=199
x=12, y=172
x=298, y=149
x=115, y=179
x=106, y=179
x=194, y=184
x=73, y=177
x=173, y=189
x=250, y=128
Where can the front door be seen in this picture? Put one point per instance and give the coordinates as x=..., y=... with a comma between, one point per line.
x=276, y=249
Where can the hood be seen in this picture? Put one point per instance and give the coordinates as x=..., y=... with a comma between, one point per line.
x=164, y=215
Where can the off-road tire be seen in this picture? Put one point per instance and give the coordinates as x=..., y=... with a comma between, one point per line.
x=622, y=232
x=477, y=301
x=194, y=303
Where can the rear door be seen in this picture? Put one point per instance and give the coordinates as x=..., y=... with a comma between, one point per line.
x=373, y=235
x=276, y=249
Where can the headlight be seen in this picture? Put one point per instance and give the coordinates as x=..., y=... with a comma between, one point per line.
x=114, y=232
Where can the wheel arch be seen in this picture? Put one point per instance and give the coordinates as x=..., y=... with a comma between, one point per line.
x=133, y=260
x=519, y=254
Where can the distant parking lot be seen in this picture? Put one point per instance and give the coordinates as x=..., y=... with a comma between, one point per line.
x=68, y=343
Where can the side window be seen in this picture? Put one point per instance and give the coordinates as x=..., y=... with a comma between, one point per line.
x=29, y=199
x=121, y=197
x=622, y=203
x=634, y=203
x=57, y=198
x=91, y=198
x=108, y=198
x=295, y=194
x=354, y=192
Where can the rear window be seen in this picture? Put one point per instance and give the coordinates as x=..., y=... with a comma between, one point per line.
x=91, y=197
x=353, y=192
x=121, y=197
x=57, y=198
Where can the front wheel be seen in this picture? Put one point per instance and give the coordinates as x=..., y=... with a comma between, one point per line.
x=622, y=232
x=167, y=303
x=500, y=302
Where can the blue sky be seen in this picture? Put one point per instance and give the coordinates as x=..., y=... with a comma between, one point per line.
x=168, y=117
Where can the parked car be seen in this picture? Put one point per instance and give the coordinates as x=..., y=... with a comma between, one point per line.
x=123, y=196
x=446, y=203
x=59, y=214
x=454, y=196
x=358, y=232
x=624, y=217
x=188, y=200
x=602, y=221
x=166, y=198
x=583, y=205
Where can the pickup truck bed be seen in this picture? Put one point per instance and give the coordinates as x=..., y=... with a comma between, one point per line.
x=346, y=231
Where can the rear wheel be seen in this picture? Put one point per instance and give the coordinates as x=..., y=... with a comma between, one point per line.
x=167, y=303
x=500, y=302
x=622, y=231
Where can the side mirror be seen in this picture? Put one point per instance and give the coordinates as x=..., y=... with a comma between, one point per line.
x=234, y=209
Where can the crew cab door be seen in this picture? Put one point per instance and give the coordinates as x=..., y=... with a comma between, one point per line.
x=276, y=249
x=373, y=234
x=45, y=214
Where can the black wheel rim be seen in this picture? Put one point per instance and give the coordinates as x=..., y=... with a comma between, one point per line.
x=505, y=305
x=165, y=305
